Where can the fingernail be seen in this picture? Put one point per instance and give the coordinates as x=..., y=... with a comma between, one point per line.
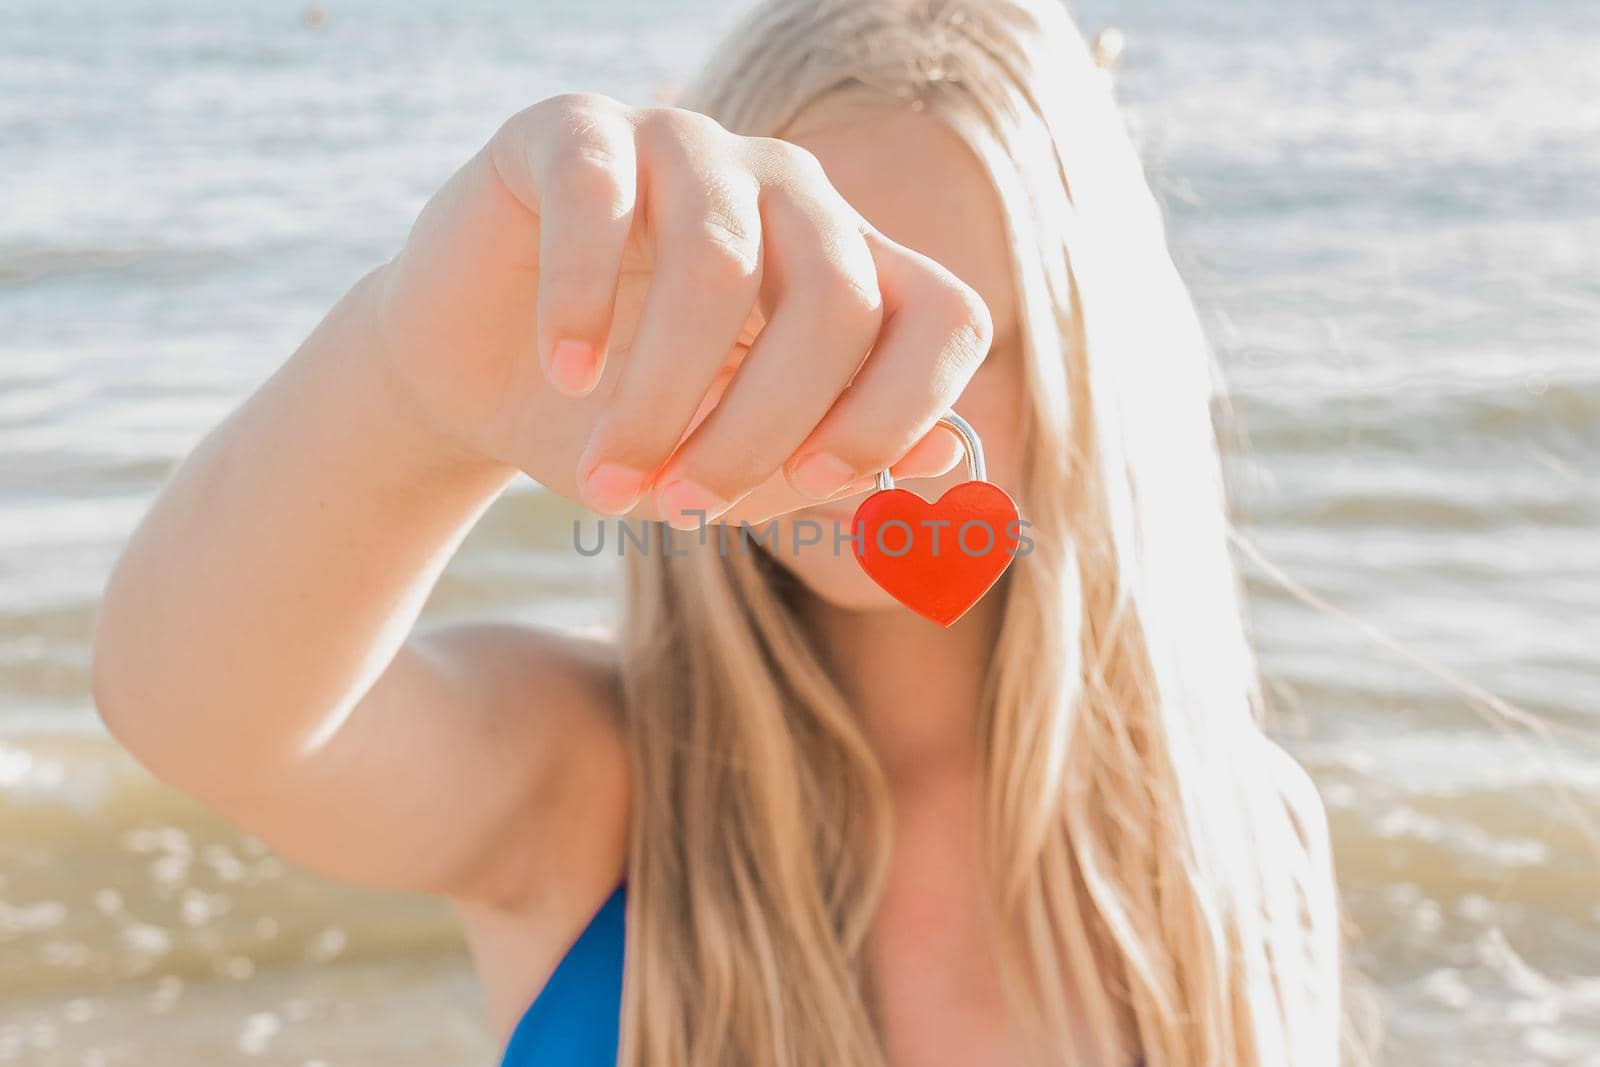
x=572, y=366
x=820, y=475
x=612, y=488
x=686, y=504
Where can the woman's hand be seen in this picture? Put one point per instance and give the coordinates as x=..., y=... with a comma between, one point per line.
x=650, y=314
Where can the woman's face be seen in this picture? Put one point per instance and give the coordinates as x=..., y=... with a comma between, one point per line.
x=918, y=183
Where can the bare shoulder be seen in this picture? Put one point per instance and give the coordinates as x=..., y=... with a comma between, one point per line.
x=551, y=701
x=556, y=864
x=515, y=673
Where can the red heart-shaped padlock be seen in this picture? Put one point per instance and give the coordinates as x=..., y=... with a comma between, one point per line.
x=937, y=559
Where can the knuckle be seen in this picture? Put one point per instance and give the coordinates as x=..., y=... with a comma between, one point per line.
x=981, y=322
x=850, y=296
x=861, y=309
x=575, y=146
x=654, y=127
x=575, y=103
x=592, y=180
x=667, y=129
x=789, y=158
x=726, y=248
x=561, y=109
x=698, y=123
x=958, y=310
x=518, y=131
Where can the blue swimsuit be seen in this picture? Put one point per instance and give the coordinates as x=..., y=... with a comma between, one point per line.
x=573, y=1021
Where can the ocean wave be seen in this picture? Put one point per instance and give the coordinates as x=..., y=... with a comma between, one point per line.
x=111, y=876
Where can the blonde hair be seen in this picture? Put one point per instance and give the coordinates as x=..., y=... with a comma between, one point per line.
x=1158, y=871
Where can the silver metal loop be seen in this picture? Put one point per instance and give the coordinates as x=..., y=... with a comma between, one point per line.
x=969, y=441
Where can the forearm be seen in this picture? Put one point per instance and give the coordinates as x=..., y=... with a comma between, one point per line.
x=283, y=562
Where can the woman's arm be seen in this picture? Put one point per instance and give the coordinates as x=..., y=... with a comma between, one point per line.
x=248, y=648
x=251, y=646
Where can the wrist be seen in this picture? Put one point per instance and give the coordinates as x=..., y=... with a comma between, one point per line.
x=419, y=435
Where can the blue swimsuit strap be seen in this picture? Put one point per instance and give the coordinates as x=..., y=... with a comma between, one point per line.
x=574, y=1020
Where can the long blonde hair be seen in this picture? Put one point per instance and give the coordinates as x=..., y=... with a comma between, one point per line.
x=1158, y=871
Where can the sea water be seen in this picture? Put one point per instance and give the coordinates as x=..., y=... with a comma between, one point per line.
x=1390, y=216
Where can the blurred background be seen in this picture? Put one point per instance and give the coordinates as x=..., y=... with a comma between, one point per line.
x=1388, y=212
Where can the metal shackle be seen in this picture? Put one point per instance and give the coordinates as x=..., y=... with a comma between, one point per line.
x=969, y=441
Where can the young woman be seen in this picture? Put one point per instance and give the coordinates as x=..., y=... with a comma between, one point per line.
x=826, y=831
